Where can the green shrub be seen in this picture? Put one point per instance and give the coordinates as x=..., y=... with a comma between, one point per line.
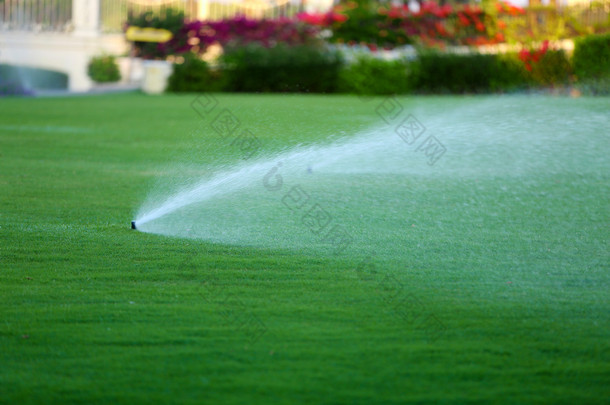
x=509, y=74
x=591, y=61
x=435, y=72
x=254, y=68
x=370, y=76
x=103, y=69
x=552, y=69
x=194, y=75
x=591, y=57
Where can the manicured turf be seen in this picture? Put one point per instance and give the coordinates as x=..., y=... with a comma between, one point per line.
x=493, y=288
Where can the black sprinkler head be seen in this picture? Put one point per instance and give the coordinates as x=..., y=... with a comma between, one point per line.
x=133, y=224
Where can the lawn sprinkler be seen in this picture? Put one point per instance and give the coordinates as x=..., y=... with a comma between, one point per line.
x=133, y=224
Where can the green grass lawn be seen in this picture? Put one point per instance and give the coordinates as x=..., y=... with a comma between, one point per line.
x=486, y=280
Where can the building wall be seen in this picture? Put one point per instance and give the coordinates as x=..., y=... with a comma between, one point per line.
x=66, y=53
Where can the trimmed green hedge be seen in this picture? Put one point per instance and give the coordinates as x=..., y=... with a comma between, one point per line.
x=436, y=72
x=591, y=57
x=254, y=68
x=369, y=76
x=591, y=61
x=194, y=75
x=553, y=69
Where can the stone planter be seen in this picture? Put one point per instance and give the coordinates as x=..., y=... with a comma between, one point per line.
x=156, y=74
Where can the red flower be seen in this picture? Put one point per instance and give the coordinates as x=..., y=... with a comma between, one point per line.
x=528, y=57
x=514, y=10
x=313, y=19
x=524, y=55
x=394, y=13
x=337, y=17
x=507, y=8
x=463, y=20
x=440, y=28
x=446, y=10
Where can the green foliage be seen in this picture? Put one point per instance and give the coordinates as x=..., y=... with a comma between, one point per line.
x=553, y=69
x=481, y=73
x=103, y=69
x=364, y=24
x=369, y=76
x=435, y=72
x=254, y=68
x=591, y=57
x=591, y=62
x=194, y=75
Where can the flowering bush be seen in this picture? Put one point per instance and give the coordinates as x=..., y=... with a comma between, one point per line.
x=432, y=24
x=384, y=26
x=532, y=56
x=546, y=66
x=196, y=36
x=506, y=8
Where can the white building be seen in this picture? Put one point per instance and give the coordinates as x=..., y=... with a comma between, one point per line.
x=63, y=35
x=71, y=38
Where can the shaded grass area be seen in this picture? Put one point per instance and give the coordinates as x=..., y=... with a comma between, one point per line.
x=506, y=303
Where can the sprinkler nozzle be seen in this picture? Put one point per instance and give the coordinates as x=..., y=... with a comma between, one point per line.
x=133, y=224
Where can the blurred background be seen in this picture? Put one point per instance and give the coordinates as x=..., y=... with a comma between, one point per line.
x=272, y=45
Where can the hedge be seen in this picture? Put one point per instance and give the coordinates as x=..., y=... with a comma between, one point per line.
x=194, y=75
x=369, y=76
x=435, y=72
x=255, y=68
x=591, y=57
x=591, y=61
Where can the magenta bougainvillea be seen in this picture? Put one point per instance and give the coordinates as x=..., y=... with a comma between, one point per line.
x=196, y=36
